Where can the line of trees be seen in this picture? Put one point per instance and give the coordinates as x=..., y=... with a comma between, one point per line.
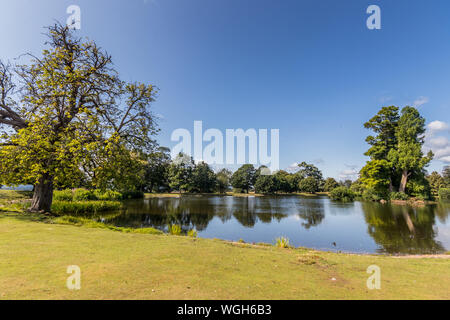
x=182, y=174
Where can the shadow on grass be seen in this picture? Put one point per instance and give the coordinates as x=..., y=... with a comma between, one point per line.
x=24, y=216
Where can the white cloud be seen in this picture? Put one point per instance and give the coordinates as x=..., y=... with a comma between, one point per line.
x=445, y=159
x=440, y=153
x=437, y=126
x=440, y=145
x=386, y=99
x=293, y=168
x=438, y=142
x=420, y=101
x=349, y=174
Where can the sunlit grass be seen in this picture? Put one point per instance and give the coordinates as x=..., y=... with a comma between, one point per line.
x=117, y=265
x=174, y=229
x=282, y=242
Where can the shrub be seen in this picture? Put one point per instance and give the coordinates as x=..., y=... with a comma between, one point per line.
x=107, y=195
x=71, y=207
x=63, y=195
x=192, y=233
x=174, y=229
x=309, y=185
x=282, y=242
x=371, y=195
x=342, y=194
x=444, y=194
x=398, y=196
x=419, y=188
x=83, y=195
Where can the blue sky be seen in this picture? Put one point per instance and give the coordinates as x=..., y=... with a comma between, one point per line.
x=309, y=68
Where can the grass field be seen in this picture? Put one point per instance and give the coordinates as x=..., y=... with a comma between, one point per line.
x=117, y=265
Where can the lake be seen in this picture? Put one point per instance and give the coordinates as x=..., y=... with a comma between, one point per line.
x=313, y=222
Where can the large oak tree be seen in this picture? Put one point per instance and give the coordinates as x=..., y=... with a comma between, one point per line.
x=67, y=116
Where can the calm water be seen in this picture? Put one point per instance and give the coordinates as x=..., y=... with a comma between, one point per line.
x=310, y=222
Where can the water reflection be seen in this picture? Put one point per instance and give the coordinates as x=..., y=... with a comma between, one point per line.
x=314, y=222
x=402, y=229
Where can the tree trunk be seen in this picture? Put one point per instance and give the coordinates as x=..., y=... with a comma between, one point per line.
x=43, y=194
x=403, y=181
x=391, y=187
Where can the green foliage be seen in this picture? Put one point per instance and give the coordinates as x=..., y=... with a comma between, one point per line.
x=284, y=181
x=309, y=185
x=418, y=187
x=83, y=207
x=372, y=195
x=446, y=176
x=294, y=180
x=180, y=172
x=282, y=242
x=398, y=196
x=375, y=178
x=384, y=124
x=244, y=177
x=71, y=120
x=342, y=194
x=63, y=195
x=396, y=153
x=444, y=194
x=357, y=187
x=107, y=195
x=223, y=180
x=266, y=184
x=174, y=229
x=436, y=182
x=203, y=179
x=309, y=171
x=192, y=233
x=408, y=155
x=330, y=184
x=157, y=171
x=83, y=195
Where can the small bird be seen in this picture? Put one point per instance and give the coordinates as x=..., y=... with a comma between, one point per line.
x=334, y=244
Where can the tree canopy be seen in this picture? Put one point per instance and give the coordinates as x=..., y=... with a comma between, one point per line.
x=396, y=157
x=66, y=116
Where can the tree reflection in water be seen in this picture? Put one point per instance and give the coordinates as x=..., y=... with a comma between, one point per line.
x=402, y=229
x=394, y=229
x=312, y=211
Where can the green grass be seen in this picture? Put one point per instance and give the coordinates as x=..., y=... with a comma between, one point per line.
x=174, y=229
x=119, y=265
x=282, y=242
x=82, y=207
x=15, y=195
